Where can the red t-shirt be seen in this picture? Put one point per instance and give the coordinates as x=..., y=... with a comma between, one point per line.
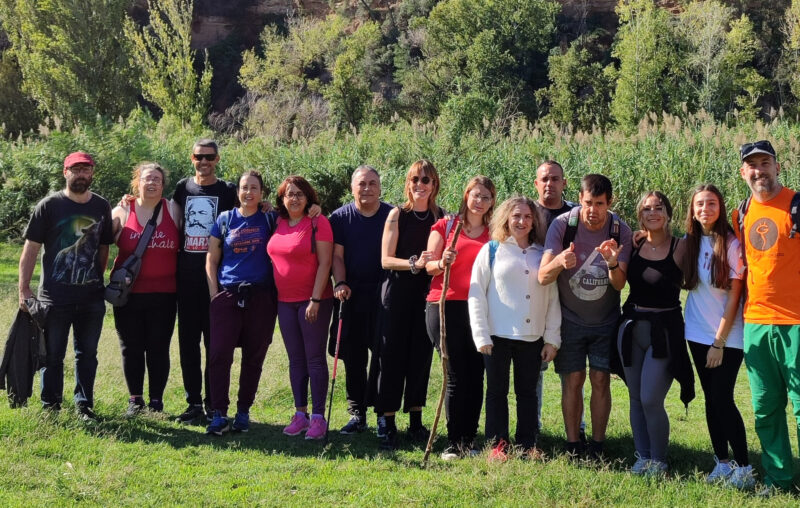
x=461, y=272
x=159, y=260
x=293, y=263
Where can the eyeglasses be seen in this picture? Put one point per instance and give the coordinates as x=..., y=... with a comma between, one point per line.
x=480, y=198
x=294, y=195
x=207, y=156
x=153, y=179
x=76, y=170
x=425, y=180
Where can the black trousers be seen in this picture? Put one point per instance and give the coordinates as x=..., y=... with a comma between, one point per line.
x=145, y=327
x=405, y=356
x=464, y=393
x=527, y=362
x=725, y=424
x=193, y=324
x=358, y=348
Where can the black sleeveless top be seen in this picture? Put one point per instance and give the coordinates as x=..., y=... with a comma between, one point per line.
x=655, y=284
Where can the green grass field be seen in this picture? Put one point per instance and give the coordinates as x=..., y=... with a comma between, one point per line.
x=55, y=460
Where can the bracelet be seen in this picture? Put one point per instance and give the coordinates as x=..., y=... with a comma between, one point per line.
x=717, y=347
x=340, y=283
x=612, y=267
x=439, y=265
x=411, y=261
x=315, y=300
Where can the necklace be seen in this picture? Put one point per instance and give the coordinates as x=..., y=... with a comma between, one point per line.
x=427, y=212
x=654, y=247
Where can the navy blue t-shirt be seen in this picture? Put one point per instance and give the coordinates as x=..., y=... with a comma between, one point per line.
x=361, y=238
x=244, y=249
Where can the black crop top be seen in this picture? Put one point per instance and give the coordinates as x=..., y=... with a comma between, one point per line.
x=655, y=284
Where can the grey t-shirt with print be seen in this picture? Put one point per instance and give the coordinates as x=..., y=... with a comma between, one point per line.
x=586, y=294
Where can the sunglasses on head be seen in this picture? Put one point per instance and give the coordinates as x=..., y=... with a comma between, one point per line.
x=425, y=180
x=206, y=156
x=762, y=146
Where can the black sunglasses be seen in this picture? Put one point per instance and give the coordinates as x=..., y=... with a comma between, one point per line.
x=206, y=156
x=425, y=180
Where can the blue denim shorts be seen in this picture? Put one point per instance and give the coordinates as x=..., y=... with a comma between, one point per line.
x=579, y=342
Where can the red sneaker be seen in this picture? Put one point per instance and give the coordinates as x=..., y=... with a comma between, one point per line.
x=500, y=452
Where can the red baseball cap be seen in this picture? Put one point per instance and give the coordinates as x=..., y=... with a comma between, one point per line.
x=78, y=158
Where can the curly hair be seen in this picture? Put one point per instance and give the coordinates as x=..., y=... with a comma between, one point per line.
x=302, y=184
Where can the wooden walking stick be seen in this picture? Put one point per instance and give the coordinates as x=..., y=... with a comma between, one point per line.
x=442, y=344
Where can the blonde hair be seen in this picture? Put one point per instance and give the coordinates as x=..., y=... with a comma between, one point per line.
x=499, y=224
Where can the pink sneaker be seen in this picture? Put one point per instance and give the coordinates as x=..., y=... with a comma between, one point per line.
x=318, y=428
x=298, y=425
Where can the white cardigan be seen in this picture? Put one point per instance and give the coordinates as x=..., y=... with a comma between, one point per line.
x=507, y=300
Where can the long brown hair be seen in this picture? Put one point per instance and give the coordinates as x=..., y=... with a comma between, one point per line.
x=422, y=168
x=486, y=182
x=720, y=234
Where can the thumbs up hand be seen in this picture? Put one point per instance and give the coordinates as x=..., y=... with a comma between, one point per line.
x=568, y=259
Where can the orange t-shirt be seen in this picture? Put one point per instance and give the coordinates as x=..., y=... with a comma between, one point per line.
x=773, y=262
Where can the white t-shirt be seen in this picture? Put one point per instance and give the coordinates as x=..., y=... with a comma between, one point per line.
x=706, y=304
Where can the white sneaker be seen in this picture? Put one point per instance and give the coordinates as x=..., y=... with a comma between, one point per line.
x=721, y=471
x=742, y=478
x=640, y=465
x=655, y=468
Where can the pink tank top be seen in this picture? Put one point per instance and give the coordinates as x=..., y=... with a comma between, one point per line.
x=160, y=259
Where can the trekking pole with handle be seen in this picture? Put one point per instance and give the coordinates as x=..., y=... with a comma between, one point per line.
x=442, y=345
x=335, y=364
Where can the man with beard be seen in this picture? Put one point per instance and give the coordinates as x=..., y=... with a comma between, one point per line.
x=74, y=226
x=587, y=251
x=202, y=197
x=766, y=224
x=357, y=233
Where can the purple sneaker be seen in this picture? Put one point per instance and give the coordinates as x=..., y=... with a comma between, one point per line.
x=318, y=428
x=298, y=425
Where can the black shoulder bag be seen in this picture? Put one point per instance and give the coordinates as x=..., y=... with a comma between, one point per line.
x=122, y=279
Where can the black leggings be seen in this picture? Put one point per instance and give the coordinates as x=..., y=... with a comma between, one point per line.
x=464, y=397
x=724, y=422
x=145, y=328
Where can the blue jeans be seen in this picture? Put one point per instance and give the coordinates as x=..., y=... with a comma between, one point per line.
x=86, y=320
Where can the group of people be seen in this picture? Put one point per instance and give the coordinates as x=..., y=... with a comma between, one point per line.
x=530, y=282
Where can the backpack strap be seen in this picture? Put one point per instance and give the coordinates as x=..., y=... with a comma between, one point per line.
x=314, y=234
x=572, y=227
x=613, y=228
x=493, y=245
x=449, y=227
x=738, y=219
x=794, y=211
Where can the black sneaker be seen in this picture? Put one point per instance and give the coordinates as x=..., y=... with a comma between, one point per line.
x=193, y=413
x=155, y=406
x=574, y=449
x=389, y=441
x=209, y=414
x=135, y=406
x=53, y=407
x=418, y=434
x=356, y=424
x=382, y=428
x=594, y=451
x=86, y=414
x=582, y=437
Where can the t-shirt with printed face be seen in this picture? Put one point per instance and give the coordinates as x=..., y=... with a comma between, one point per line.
x=244, y=249
x=71, y=234
x=585, y=291
x=773, y=262
x=201, y=205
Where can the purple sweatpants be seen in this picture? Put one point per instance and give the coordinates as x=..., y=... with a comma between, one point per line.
x=305, y=344
x=231, y=327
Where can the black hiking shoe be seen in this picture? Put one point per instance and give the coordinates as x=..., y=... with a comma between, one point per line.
x=192, y=414
x=135, y=406
x=356, y=424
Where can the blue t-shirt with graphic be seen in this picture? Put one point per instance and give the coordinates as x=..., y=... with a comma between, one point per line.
x=244, y=249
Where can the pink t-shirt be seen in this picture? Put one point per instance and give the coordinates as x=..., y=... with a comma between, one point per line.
x=461, y=271
x=293, y=263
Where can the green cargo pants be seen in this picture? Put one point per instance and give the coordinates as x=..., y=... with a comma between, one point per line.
x=772, y=356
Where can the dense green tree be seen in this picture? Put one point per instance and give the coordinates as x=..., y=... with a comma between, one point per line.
x=163, y=54
x=492, y=47
x=645, y=47
x=579, y=94
x=72, y=55
x=789, y=68
x=717, y=57
x=18, y=112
